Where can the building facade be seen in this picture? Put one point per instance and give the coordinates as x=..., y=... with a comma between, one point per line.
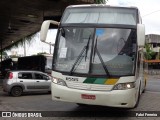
x=154, y=41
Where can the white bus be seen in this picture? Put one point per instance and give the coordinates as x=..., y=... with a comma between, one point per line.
x=98, y=56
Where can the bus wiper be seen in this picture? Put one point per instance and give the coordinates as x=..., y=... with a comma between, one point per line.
x=100, y=58
x=87, y=47
x=80, y=57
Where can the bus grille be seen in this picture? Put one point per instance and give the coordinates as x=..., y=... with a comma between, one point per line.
x=91, y=87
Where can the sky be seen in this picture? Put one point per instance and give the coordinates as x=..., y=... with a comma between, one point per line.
x=36, y=46
x=149, y=10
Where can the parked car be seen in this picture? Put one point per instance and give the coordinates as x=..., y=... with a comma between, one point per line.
x=17, y=82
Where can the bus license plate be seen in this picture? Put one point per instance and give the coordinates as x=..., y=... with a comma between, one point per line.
x=85, y=96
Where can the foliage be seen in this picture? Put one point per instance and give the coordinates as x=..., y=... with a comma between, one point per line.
x=4, y=53
x=41, y=53
x=14, y=56
x=158, y=55
x=100, y=1
x=149, y=52
x=20, y=42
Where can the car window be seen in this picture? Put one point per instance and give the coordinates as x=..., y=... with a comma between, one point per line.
x=41, y=76
x=25, y=75
x=38, y=76
x=45, y=77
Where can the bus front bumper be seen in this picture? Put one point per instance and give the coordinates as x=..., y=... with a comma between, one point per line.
x=114, y=98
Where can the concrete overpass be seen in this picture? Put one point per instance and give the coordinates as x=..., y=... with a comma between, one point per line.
x=21, y=18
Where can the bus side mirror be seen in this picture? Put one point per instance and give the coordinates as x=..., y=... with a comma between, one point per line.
x=141, y=35
x=45, y=28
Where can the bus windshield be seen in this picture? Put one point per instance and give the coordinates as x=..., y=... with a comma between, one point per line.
x=122, y=16
x=96, y=51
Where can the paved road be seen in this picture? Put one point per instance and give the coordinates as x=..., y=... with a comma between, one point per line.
x=153, y=84
x=42, y=102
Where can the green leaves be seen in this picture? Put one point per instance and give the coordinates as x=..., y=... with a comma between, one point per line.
x=4, y=53
x=19, y=43
x=149, y=52
x=100, y=1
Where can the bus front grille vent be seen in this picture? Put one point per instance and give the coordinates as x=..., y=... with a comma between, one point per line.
x=92, y=87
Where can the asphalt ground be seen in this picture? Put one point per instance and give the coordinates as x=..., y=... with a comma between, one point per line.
x=149, y=102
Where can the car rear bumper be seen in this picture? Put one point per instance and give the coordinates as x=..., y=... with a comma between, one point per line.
x=6, y=88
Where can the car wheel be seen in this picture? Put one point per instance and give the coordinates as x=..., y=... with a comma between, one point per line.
x=16, y=91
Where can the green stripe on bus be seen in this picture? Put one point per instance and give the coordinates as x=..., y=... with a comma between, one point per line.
x=89, y=80
x=100, y=81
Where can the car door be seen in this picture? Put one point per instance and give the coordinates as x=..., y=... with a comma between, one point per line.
x=26, y=79
x=42, y=82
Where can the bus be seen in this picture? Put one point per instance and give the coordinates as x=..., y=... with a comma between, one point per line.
x=98, y=56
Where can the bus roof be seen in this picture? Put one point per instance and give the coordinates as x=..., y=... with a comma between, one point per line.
x=100, y=5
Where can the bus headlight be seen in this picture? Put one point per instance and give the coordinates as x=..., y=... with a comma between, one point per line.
x=124, y=86
x=59, y=81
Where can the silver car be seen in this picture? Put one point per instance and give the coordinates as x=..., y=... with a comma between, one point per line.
x=17, y=82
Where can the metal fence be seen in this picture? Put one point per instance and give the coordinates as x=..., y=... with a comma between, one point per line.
x=154, y=71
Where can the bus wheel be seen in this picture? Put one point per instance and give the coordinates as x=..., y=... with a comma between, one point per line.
x=144, y=87
x=81, y=105
x=144, y=90
x=137, y=102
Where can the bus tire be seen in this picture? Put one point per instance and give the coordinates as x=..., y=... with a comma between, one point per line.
x=81, y=105
x=49, y=92
x=137, y=102
x=144, y=87
x=144, y=90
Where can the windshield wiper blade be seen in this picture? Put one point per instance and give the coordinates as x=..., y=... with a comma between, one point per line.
x=100, y=58
x=95, y=47
x=87, y=47
x=78, y=58
x=80, y=55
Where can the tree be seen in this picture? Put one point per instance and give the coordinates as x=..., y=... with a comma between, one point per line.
x=41, y=53
x=4, y=53
x=149, y=52
x=20, y=43
x=100, y=1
